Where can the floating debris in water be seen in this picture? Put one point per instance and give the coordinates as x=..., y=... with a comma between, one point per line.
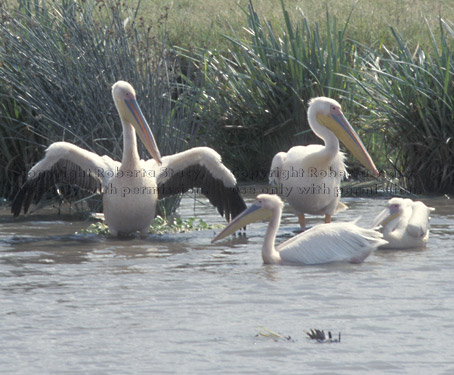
x=314, y=334
x=273, y=335
x=319, y=335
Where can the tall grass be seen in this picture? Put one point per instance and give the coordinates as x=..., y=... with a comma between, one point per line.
x=412, y=93
x=262, y=86
x=202, y=23
x=58, y=63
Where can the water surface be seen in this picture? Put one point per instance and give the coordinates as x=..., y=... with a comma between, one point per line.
x=177, y=304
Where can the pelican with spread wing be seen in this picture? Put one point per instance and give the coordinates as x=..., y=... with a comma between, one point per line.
x=337, y=242
x=405, y=223
x=131, y=187
x=311, y=175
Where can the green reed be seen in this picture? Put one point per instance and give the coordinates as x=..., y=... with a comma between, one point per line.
x=260, y=88
x=411, y=92
x=59, y=60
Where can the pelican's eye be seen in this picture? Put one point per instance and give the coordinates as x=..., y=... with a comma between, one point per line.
x=335, y=110
x=394, y=207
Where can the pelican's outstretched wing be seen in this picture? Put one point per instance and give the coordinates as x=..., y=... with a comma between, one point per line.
x=64, y=163
x=201, y=167
x=418, y=224
x=336, y=242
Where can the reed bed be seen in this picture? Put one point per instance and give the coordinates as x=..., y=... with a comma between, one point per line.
x=411, y=93
x=398, y=99
x=262, y=86
x=59, y=62
x=247, y=98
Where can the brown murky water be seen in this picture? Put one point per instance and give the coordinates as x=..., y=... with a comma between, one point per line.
x=177, y=304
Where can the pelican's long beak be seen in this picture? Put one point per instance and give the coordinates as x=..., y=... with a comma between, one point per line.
x=252, y=214
x=340, y=126
x=143, y=129
x=385, y=217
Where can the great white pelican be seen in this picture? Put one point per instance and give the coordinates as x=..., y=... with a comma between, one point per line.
x=405, y=223
x=338, y=242
x=131, y=187
x=310, y=176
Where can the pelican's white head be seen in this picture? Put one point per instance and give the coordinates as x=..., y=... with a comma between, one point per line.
x=394, y=209
x=269, y=202
x=321, y=106
x=325, y=114
x=415, y=214
x=263, y=208
x=130, y=113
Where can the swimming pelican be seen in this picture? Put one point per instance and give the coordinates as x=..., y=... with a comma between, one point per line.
x=405, y=223
x=130, y=188
x=310, y=175
x=338, y=242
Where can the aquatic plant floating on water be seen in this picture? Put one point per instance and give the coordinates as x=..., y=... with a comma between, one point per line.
x=160, y=226
x=314, y=334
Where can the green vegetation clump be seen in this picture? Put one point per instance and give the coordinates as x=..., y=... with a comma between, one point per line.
x=160, y=225
x=411, y=95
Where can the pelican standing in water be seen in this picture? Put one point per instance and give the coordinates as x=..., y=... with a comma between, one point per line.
x=405, y=223
x=310, y=175
x=338, y=242
x=130, y=188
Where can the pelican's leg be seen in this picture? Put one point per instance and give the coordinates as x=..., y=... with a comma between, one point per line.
x=144, y=232
x=327, y=218
x=302, y=221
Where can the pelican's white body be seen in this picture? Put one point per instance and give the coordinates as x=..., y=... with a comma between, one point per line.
x=337, y=242
x=130, y=203
x=405, y=223
x=130, y=188
x=311, y=175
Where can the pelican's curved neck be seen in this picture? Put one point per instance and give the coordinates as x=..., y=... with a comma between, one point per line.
x=331, y=142
x=395, y=228
x=269, y=253
x=130, y=154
